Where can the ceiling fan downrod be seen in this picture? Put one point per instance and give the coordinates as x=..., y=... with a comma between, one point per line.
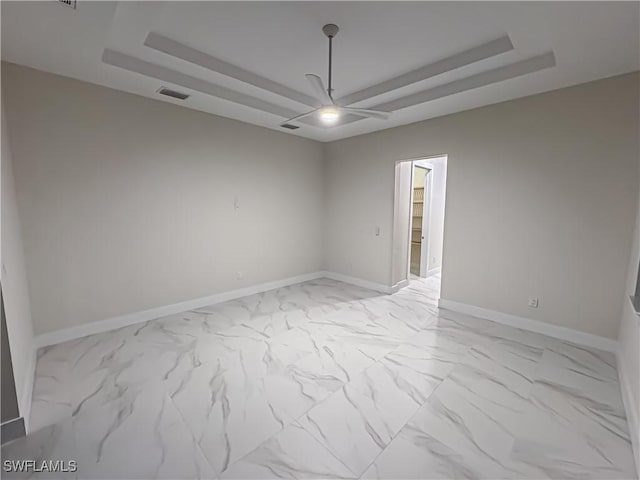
x=330, y=30
x=328, y=111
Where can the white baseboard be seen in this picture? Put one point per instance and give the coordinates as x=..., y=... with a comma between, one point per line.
x=27, y=392
x=433, y=271
x=401, y=284
x=631, y=409
x=12, y=430
x=64, y=335
x=378, y=287
x=79, y=331
x=537, y=326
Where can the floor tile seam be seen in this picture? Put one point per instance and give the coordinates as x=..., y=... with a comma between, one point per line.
x=196, y=441
x=271, y=437
x=314, y=436
x=281, y=370
x=300, y=425
x=128, y=393
x=393, y=437
x=293, y=420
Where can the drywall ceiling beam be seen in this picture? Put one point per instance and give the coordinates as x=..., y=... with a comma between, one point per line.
x=475, y=54
x=523, y=67
x=191, y=55
x=132, y=64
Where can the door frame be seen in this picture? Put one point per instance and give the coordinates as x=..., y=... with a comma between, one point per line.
x=401, y=242
x=426, y=213
x=426, y=219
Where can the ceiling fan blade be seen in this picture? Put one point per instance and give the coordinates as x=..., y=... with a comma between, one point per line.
x=318, y=89
x=363, y=112
x=299, y=117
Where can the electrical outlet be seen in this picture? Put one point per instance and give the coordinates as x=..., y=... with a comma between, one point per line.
x=533, y=302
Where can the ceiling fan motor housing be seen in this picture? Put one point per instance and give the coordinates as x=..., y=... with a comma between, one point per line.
x=330, y=30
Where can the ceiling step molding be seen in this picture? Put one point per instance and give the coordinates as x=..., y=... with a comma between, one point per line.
x=133, y=64
x=513, y=70
x=473, y=55
x=183, y=52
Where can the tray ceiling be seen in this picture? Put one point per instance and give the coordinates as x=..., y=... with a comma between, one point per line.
x=247, y=60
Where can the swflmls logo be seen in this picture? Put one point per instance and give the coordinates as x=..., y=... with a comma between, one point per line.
x=38, y=467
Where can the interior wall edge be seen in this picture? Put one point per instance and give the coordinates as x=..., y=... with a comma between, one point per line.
x=16, y=287
x=27, y=394
x=631, y=407
x=12, y=430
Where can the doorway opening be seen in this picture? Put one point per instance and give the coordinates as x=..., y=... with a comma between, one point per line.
x=419, y=213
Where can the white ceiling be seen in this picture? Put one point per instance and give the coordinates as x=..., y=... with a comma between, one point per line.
x=283, y=41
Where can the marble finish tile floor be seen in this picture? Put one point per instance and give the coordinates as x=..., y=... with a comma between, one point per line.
x=327, y=380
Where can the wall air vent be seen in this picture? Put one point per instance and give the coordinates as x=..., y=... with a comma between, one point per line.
x=68, y=3
x=172, y=93
x=289, y=126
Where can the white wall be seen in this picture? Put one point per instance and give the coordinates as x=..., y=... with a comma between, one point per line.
x=540, y=202
x=128, y=203
x=14, y=282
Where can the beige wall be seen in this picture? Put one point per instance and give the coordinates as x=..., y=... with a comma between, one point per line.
x=540, y=202
x=128, y=203
x=14, y=281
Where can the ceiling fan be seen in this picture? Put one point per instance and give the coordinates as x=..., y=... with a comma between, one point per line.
x=329, y=112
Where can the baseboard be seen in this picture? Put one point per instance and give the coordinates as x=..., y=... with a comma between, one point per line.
x=433, y=271
x=401, y=284
x=631, y=409
x=27, y=393
x=359, y=282
x=64, y=335
x=537, y=326
x=12, y=430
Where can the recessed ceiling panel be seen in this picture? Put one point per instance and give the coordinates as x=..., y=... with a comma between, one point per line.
x=184, y=52
x=118, y=59
x=475, y=54
x=495, y=75
x=282, y=41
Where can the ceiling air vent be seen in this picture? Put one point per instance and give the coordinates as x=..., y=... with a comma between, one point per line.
x=68, y=3
x=289, y=126
x=172, y=93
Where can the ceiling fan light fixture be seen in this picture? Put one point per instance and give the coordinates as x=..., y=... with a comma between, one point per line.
x=329, y=114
